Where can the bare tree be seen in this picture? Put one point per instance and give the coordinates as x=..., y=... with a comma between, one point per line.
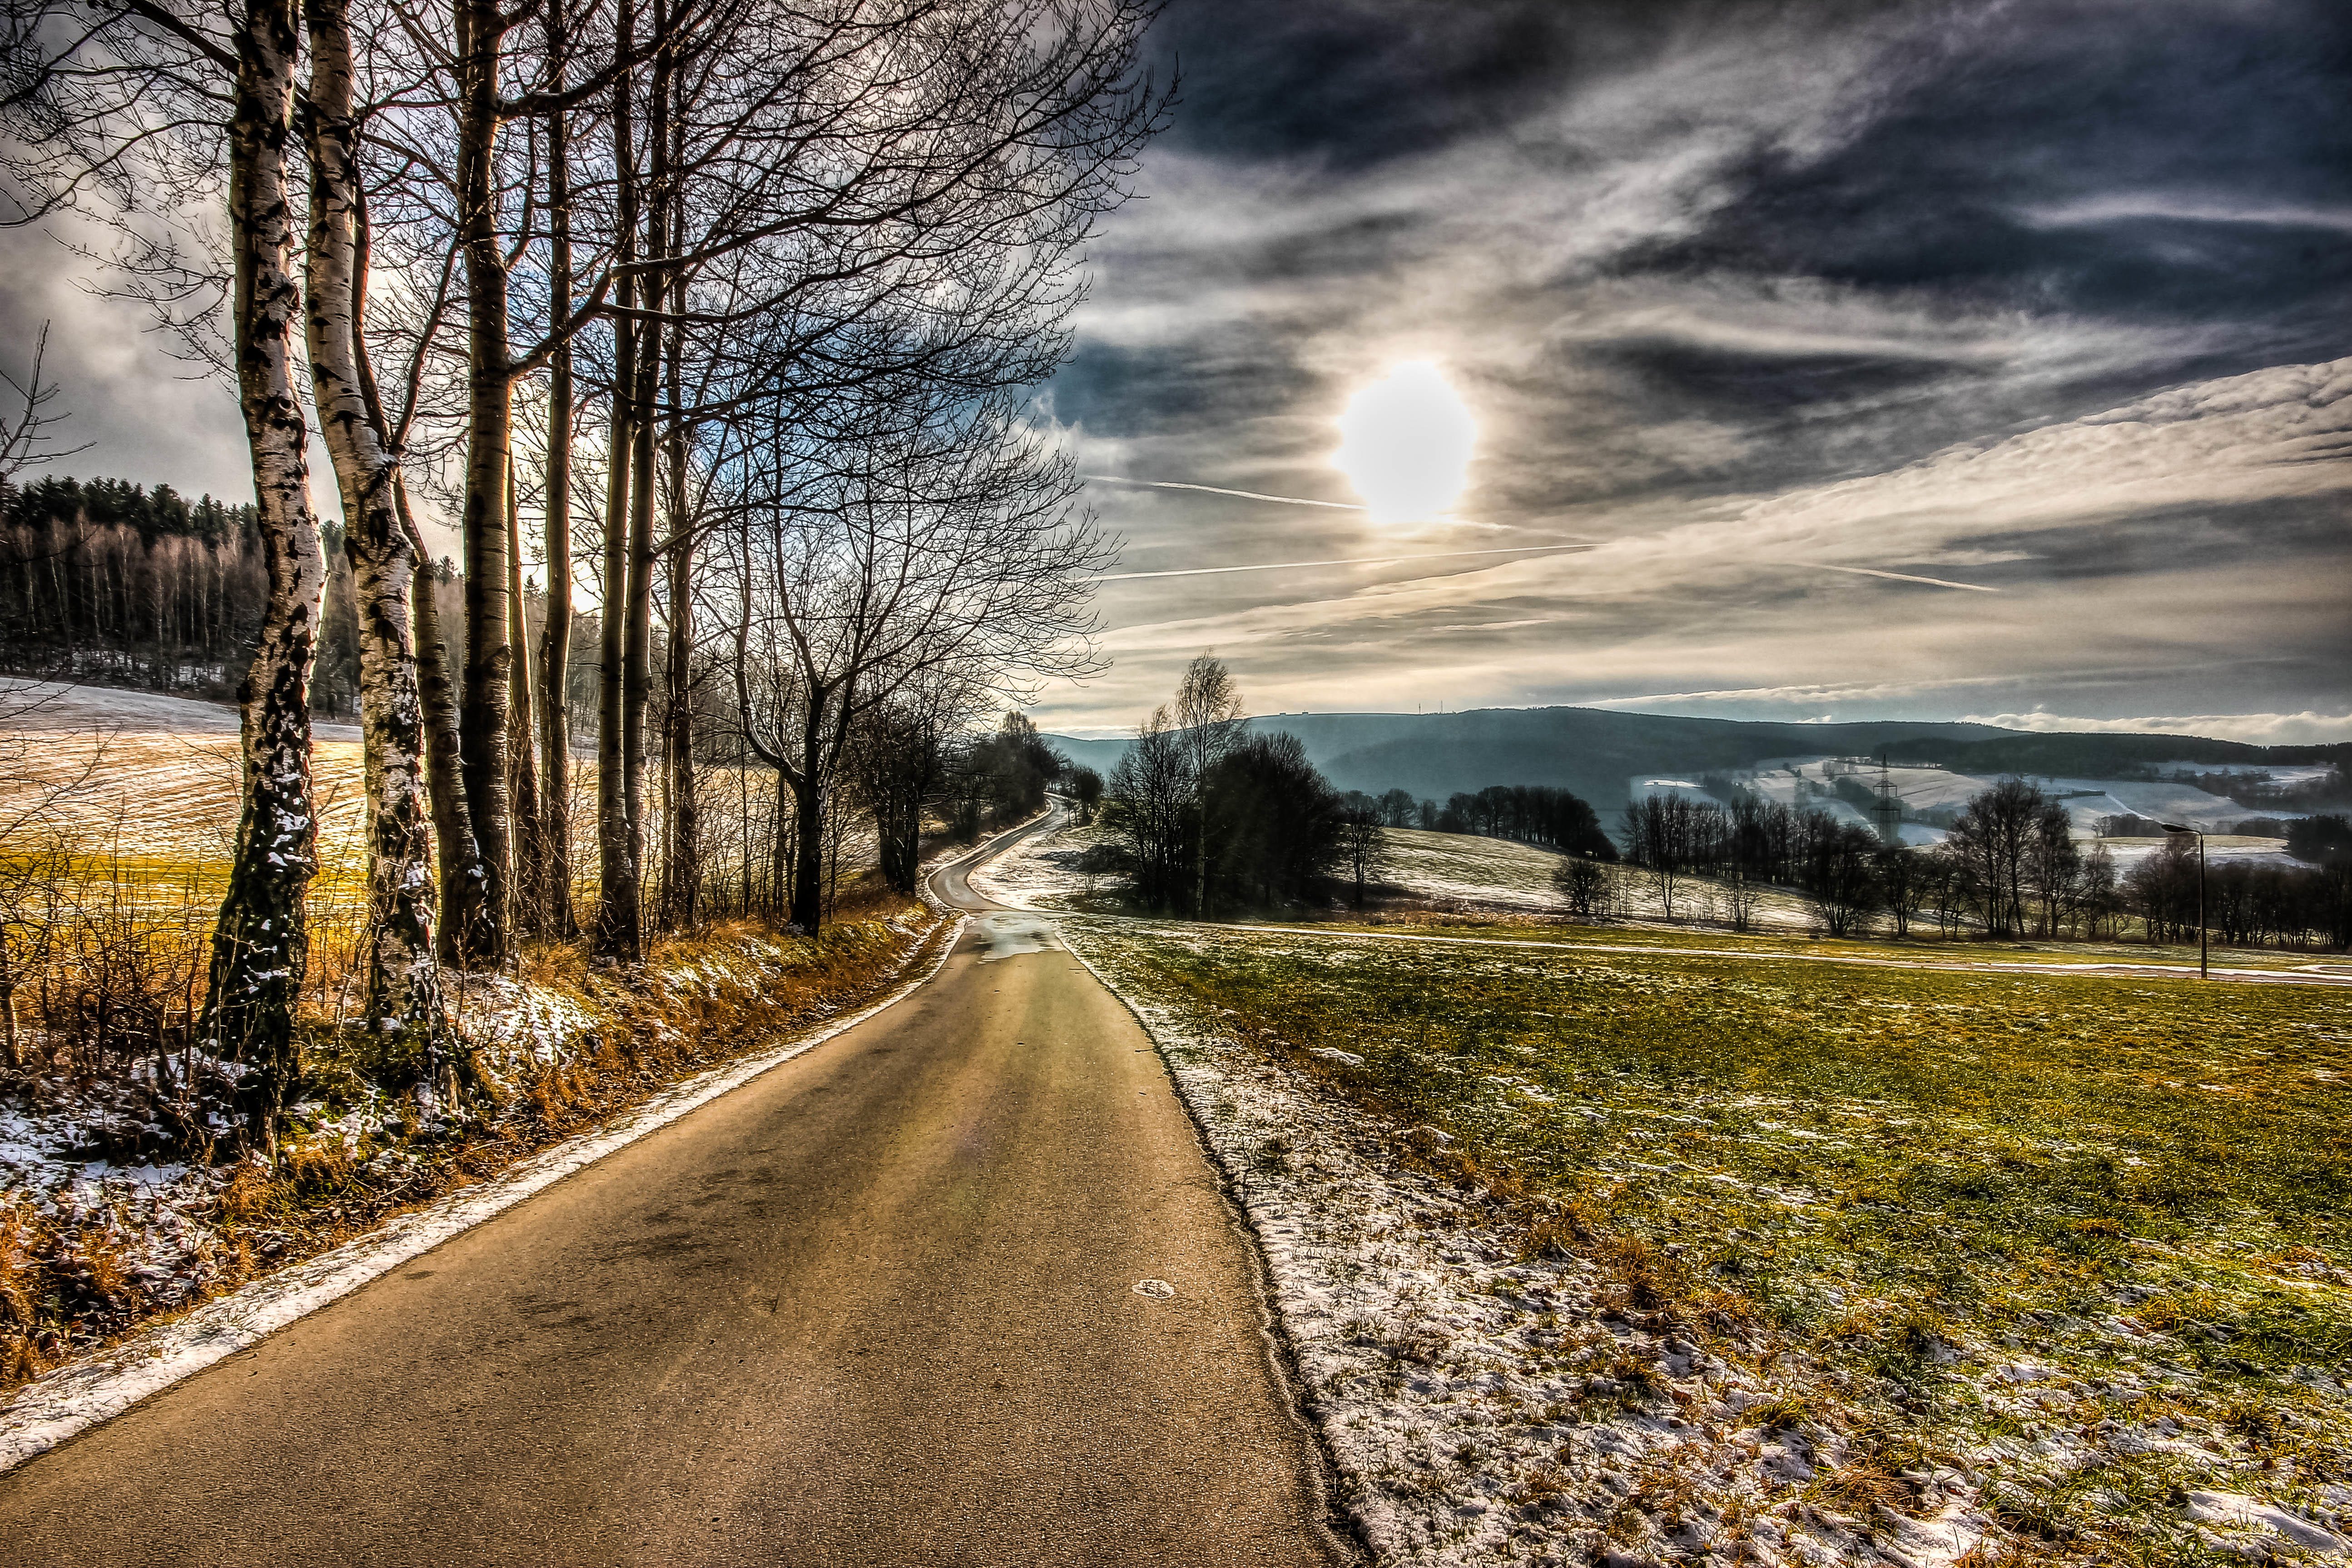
x=1993, y=843
x=24, y=439
x=1587, y=886
x=952, y=548
x=402, y=996
x=1363, y=846
x=1153, y=785
x=898, y=762
x=1208, y=715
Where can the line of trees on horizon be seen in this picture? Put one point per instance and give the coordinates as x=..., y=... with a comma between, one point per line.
x=2008, y=866
x=108, y=582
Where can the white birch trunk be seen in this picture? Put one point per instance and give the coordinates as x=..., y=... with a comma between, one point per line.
x=261, y=943
x=403, y=987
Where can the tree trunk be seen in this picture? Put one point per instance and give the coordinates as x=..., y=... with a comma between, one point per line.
x=682, y=877
x=262, y=940
x=812, y=780
x=483, y=716
x=636, y=667
x=808, y=867
x=529, y=881
x=637, y=610
x=404, y=989
x=620, y=887
x=453, y=824
x=781, y=840
x=555, y=636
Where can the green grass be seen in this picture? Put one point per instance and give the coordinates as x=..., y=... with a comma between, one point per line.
x=1905, y=1178
x=1921, y=946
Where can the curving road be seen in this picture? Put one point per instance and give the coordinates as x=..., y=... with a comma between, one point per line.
x=879, y=1306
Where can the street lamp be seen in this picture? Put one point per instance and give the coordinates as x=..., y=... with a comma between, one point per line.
x=2179, y=827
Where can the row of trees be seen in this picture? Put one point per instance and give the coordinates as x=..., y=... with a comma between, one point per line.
x=1749, y=845
x=2008, y=866
x=107, y=581
x=737, y=300
x=1530, y=814
x=2243, y=904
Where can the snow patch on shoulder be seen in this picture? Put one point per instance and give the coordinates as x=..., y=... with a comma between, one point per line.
x=96, y=1389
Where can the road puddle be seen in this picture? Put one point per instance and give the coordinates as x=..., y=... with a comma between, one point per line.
x=1007, y=936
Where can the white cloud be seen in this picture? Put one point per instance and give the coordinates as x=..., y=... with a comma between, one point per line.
x=2304, y=729
x=2198, y=206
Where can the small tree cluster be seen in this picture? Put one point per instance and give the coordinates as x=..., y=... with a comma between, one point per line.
x=1527, y=814
x=1209, y=819
x=2243, y=904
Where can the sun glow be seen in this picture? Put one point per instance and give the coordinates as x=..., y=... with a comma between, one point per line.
x=1405, y=443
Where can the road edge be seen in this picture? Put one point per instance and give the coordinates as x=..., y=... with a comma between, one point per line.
x=69, y=1400
x=1341, y=1531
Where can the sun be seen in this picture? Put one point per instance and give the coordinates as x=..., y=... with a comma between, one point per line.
x=1405, y=444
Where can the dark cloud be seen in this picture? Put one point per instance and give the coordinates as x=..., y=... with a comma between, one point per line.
x=1360, y=82
x=2005, y=157
x=1735, y=287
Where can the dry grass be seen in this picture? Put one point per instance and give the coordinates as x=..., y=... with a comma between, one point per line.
x=76, y=1272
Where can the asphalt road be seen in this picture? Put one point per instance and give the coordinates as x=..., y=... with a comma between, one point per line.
x=879, y=1306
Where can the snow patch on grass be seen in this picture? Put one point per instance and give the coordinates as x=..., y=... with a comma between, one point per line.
x=1488, y=1407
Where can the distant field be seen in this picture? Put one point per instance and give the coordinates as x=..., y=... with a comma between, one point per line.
x=2092, y=1236
x=1916, y=949
x=144, y=789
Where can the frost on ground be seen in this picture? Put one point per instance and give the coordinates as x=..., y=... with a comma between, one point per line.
x=1483, y=1408
x=1055, y=870
x=1489, y=1398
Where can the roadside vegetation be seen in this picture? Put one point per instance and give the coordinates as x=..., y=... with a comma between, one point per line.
x=127, y=1188
x=120, y=1201
x=2082, y=1241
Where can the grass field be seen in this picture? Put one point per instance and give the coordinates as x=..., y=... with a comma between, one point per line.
x=1917, y=949
x=2088, y=1238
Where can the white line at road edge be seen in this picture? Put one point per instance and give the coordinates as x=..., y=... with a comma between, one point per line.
x=87, y=1392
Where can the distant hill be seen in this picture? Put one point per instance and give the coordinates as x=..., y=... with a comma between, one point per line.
x=1594, y=752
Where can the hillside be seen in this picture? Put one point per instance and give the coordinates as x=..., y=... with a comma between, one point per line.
x=1593, y=752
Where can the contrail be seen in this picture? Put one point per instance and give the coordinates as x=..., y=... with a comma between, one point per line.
x=1385, y=559
x=1896, y=576
x=1348, y=561
x=1214, y=491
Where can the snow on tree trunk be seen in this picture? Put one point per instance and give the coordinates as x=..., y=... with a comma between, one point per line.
x=403, y=990
x=261, y=942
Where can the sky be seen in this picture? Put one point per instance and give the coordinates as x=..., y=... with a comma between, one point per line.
x=1964, y=360
x=1772, y=310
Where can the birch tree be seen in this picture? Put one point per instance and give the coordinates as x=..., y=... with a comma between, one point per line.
x=402, y=994
x=108, y=104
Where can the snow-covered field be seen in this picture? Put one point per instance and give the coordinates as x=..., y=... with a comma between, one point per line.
x=155, y=778
x=1045, y=871
x=1449, y=871
x=48, y=707
x=1492, y=873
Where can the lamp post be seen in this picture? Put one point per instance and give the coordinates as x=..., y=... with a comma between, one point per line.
x=2179, y=827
